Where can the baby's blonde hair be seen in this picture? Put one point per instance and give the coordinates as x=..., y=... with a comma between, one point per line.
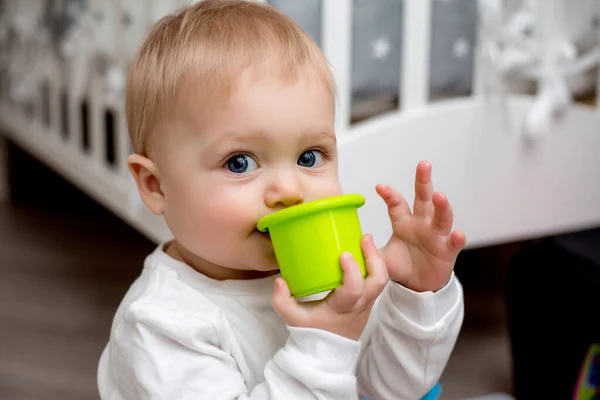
x=208, y=45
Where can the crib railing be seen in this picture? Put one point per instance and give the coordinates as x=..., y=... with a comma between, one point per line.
x=414, y=92
x=337, y=45
x=414, y=73
x=80, y=130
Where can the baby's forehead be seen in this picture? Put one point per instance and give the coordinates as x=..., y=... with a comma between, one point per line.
x=221, y=86
x=204, y=98
x=257, y=106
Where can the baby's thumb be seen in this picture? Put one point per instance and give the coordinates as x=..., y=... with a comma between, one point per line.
x=284, y=303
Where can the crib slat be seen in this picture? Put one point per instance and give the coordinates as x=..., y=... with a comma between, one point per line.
x=481, y=67
x=71, y=136
x=598, y=73
x=74, y=123
x=54, y=87
x=123, y=144
x=336, y=28
x=415, y=54
x=96, y=125
x=38, y=109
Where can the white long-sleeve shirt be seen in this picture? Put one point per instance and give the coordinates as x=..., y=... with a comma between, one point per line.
x=179, y=335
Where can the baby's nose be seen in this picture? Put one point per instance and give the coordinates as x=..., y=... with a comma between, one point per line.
x=284, y=192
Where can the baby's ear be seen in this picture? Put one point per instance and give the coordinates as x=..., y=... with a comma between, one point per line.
x=147, y=179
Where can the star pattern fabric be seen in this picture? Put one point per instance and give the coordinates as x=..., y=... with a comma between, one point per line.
x=461, y=47
x=377, y=37
x=381, y=48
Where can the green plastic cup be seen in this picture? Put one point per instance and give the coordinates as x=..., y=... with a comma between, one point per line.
x=309, y=238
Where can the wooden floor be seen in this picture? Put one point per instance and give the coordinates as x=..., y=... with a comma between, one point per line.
x=65, y=263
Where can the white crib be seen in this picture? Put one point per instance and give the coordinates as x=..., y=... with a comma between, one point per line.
x=503, y=186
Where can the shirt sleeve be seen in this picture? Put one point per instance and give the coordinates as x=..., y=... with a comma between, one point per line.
x=408, y=341
x=152, y=357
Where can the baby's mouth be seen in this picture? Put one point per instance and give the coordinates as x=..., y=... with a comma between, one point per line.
x=264, y=234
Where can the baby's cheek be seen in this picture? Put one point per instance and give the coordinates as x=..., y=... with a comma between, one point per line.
x=184, y=216
x=200, y=233
x=216, y=216
x=328, y=187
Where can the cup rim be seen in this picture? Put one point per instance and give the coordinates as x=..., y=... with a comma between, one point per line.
x=311, y=207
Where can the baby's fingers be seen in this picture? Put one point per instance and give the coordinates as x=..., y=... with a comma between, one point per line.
x=423, y=206
x=442, y=215
x=377, y=273
x=456, y=242
x=396, y=203
x=346, y=296
x=285, y=304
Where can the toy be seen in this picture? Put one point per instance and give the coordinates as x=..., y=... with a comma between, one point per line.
x=433, y=394
x=588, y=384
x=309, y=239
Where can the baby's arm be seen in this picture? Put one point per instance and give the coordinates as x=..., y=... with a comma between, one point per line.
x=408, y=341
x=190, y=359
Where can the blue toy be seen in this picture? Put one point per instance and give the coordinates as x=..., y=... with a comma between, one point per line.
x=434, y=393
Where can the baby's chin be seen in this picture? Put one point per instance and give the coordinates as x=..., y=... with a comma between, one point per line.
x=268, y=264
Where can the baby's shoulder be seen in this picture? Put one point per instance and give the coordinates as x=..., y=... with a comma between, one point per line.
x=161, y=299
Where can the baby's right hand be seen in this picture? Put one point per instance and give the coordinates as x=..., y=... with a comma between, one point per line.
x=346, y=310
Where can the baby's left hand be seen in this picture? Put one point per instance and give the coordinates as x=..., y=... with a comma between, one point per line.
x=422, y=250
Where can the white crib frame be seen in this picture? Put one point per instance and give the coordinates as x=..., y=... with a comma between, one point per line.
x=502, y=199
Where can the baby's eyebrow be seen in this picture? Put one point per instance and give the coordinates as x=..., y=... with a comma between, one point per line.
x=327, y=135
x=228, y=138
x=257, y=135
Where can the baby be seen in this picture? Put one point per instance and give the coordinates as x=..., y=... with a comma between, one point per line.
x=230, y=110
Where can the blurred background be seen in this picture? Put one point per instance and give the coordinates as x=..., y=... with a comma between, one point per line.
x=73, y=236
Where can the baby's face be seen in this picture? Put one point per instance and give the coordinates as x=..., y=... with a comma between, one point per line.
x=271, y=146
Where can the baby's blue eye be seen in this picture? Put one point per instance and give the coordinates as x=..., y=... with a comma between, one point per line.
x=241, y=163
x=310, y=158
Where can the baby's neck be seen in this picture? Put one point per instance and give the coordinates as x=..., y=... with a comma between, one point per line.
x=213, y=271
